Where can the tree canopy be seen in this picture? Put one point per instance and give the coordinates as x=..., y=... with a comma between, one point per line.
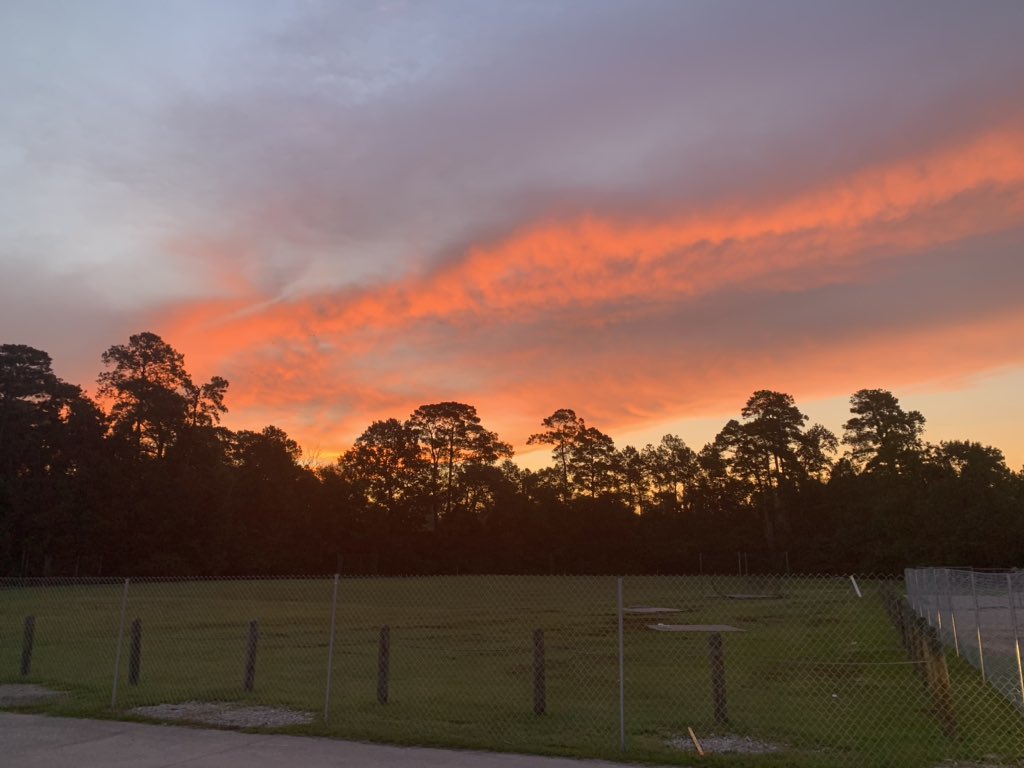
x=146, y=479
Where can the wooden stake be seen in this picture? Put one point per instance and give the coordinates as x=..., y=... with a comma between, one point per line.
x=696, y=744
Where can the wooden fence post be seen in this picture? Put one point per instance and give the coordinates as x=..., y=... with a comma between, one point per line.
x=250, y=654
x=27, y=641
x=938, y=683
x=540, y=701
x=383, y=664
x=923, y=645
x=718, y=677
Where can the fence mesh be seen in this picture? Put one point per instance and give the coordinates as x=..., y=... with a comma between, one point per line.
x=799, y=670
x=979, y=616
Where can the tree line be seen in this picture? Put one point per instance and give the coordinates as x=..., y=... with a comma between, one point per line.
x=144, y=479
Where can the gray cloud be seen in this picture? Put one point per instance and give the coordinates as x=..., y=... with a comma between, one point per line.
x=62, y=316
x=388, y=136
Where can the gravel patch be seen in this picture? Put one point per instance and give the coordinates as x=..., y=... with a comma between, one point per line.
x=745, y=745
x=226, y=714
x=24, y=694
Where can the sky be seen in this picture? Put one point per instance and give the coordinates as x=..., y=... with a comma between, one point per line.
x=643, y=210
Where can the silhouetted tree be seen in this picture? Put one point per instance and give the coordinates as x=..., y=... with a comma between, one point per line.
x=44, y=444
x=672, y=469
x=161, y=487
x=971, y=513
x=771, y=451
x=268, y=500
x=593, y=462
x=634, y=478
x=387, y=464
x=881, y=435
x=153, y=399
x=452, y=439
x=815, y=449
x=563, y=430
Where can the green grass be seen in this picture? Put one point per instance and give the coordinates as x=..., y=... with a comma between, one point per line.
x=818, y=671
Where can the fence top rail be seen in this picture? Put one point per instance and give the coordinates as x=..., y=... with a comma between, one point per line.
x=7, y=582
x=964, y=568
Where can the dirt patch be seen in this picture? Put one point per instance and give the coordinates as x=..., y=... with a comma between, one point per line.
x=226, y=714
x=24, y=694
x=723, y=743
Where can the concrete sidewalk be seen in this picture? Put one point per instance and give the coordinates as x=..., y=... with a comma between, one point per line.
x=37, y=741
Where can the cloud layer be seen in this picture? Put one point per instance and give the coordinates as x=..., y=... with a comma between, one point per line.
x=643, y=211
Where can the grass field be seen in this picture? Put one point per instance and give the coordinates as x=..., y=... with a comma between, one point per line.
x=817, y=672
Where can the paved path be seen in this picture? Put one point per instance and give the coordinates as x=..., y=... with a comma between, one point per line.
x=38, y=741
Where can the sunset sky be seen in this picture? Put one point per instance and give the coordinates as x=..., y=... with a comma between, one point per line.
x=644, y=211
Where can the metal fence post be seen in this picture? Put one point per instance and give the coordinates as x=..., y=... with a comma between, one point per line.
x=977, y=626
x=135, y=653
x=927, y=594
x=1016, y=637
x=933, y=596
x=622, y=675
x=120, y=639
x=952, y=612
x=330, y=649
x=718, y=678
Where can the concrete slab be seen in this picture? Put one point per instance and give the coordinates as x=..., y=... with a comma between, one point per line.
x=21, y=694
x=694, y=628
x=650, y=609
x=38, y=741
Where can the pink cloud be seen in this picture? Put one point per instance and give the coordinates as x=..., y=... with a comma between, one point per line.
x=500, y=326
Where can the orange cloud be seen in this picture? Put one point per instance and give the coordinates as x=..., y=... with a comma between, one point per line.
x=583, y=260
x=594, y=260
x=346, y=357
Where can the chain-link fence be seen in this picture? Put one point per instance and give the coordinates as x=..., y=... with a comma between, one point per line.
x=980, y=616
x=815, y=671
